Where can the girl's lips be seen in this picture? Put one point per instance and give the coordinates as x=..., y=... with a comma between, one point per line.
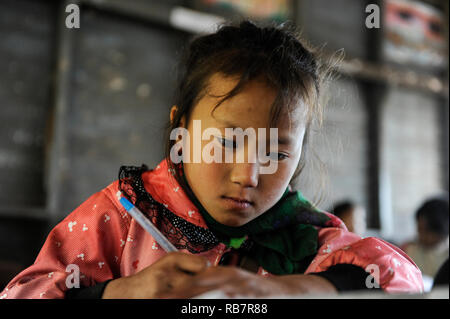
x=236, y=204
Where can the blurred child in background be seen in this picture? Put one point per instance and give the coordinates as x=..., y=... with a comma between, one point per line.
x=353, y=216
x=431, y=248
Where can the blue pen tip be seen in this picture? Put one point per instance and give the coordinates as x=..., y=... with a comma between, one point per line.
x=126, y=203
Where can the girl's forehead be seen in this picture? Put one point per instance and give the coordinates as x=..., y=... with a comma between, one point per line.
x=236, y=115
x=222, y=82
x=251, y=107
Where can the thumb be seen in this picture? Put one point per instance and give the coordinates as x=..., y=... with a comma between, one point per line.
x=188, y=263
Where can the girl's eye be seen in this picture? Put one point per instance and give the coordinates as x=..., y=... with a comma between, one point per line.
x=277, y=156
x=226, y=143
x=232, y=144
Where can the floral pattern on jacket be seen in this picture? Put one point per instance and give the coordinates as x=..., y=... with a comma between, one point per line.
x=106, y=243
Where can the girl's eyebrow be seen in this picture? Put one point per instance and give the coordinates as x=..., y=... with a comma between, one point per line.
x=282, y=140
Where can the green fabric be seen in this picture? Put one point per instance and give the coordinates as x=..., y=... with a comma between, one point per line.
x=237, y=242
x=282, y=237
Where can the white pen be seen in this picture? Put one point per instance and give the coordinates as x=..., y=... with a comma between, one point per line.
x=148, y=225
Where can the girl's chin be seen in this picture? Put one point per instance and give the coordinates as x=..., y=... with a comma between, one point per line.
x=232, y=219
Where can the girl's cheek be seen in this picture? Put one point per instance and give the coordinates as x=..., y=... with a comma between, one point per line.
x=279, y=181
x=274, y=187
x=204, y=175
x=212, y=171
x=282, y=175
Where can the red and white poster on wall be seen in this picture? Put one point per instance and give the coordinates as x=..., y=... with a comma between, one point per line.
x=414, y=34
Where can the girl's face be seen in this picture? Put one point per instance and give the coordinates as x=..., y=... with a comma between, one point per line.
x=236, y=193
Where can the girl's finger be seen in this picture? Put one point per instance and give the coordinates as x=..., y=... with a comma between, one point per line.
x=190, y=264
x=215, y=276
x=188, y=286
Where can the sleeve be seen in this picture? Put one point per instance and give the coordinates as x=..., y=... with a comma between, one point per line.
x=441, y=277
x=345, y=277
x=392, y=270
x=92, y=292
x=82, y=250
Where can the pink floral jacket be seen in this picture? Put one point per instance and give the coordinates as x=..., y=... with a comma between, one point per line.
x=104, y=242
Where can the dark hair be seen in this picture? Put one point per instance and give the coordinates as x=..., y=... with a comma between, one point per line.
x=248, y=51
x=435, y=212
x=341, y=208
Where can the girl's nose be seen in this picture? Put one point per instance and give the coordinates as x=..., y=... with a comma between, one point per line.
x=245, y=174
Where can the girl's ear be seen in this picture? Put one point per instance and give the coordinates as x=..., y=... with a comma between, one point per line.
x=173, y=112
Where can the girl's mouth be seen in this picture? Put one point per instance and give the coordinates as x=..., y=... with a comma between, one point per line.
x=236, y=203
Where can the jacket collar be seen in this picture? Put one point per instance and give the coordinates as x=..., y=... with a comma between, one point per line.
x=164, y=188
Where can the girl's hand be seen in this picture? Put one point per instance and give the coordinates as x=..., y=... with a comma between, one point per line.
x=158, y=280
x=236, y=282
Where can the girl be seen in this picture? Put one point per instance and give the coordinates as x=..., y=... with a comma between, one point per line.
x=260, y=237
